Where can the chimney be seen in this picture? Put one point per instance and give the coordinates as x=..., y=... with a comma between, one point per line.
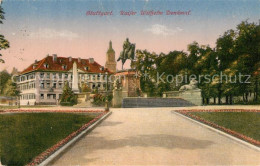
x=79, y=60
x=35, y=61
x=91, y=60
x=54, y=57
x=70, y=59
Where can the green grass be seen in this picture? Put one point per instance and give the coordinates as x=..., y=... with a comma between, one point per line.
x=26, y=135
x=25, y=106
x=246, y=123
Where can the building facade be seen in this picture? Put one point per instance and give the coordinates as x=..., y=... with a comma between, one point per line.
x=42, y=82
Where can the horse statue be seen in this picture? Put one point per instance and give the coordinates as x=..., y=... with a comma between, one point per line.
x=193, y=85
x=127, y=53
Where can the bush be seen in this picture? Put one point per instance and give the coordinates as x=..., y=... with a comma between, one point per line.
x=68, y=98
x=100, y=99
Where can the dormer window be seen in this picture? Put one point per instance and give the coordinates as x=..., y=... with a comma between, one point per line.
x=46, y=65
x=87, y=68
x=102, y=68
x=34, y=66
x=64, y=67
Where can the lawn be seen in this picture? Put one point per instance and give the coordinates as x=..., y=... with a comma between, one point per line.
x=24, y=106
x=24, y=136
x=246, y=123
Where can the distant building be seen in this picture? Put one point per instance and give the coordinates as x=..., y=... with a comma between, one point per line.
x=110, y=59
x=42, y=82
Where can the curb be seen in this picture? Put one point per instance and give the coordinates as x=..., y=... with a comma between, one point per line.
x=71, y=142
x=220, y=132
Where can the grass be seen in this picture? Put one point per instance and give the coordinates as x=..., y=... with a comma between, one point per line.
x=246, y=123
x=25, y=106
x=26, y=135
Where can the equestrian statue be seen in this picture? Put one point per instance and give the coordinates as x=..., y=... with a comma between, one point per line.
x=127, y=53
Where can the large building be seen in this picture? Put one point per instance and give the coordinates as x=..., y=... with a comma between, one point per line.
x=42, y=82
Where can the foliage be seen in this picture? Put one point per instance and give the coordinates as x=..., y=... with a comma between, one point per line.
x=4, y=77
x=11, y=89
x=68, y=97
x=4, y=44
x=24, y=136
x=236, y=52
x=85, y=88
x=100, y=100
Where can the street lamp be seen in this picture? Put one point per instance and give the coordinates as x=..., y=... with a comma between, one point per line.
x=106, y=101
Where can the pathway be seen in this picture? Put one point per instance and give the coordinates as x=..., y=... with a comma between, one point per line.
x=155, y=136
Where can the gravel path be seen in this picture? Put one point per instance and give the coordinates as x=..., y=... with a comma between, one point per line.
x=155, y=136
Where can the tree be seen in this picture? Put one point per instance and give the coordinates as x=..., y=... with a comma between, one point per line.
x=68, y=97
x=4, y=44
x=11, y=89
x=4, y=77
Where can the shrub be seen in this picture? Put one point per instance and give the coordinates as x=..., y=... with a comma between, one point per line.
x=68, y=98
x=100, y=100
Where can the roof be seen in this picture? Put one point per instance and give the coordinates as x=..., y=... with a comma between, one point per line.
x=57, y=66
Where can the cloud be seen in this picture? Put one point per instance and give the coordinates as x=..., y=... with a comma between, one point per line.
x=158, y=29
x=52, y=34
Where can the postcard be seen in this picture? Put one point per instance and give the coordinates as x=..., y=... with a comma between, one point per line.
x=129, y=82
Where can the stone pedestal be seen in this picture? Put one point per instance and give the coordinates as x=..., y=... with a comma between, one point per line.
x=193, y=96
x=117, y=98
x=130, y=82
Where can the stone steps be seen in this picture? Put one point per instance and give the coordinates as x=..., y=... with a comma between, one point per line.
x=155, y=102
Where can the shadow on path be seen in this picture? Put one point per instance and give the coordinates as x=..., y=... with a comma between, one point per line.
x=154, y=140
x=109, y=123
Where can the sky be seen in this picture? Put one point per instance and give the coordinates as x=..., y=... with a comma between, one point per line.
x=36, y=28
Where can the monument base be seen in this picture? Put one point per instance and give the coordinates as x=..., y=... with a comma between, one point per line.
x=117, y=98
x=130, y=82
x=193, y=96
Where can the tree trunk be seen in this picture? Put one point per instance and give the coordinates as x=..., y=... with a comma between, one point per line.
x=256, y=89
x=214, y=100
x=207, y=100
x=226, y=99
x=219, y=94
x=230, y=99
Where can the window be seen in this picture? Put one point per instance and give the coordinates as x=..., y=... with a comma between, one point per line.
x=54, y=76
x=54, y=96
x=60, y=85
x=42, y=96
x=64, y=67
x=93, y=86
x=48, y=75
x=98, y=77
x=86, y=68
x=66, y=76
x=94, y=77
x=46, y=65
x=41, y=75
x=48, y=96
x=48, y=85
x=32, y=76
x=42, y=85
x=54, y=85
